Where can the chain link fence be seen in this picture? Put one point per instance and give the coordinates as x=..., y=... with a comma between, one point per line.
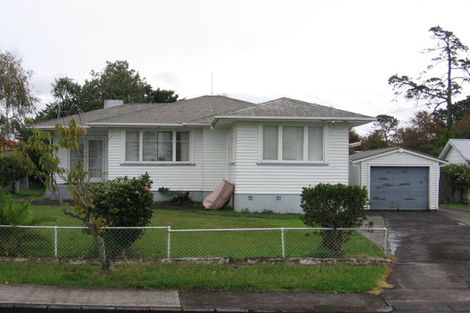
x=165, y=242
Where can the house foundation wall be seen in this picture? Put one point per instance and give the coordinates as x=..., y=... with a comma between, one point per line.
x=277, y=203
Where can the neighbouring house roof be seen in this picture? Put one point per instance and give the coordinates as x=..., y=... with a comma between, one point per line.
x=461, y=145
x=370, y=154
x=205, y=111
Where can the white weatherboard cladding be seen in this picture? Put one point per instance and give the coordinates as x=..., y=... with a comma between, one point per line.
x=398, y=159
x=215, y=158
x=454, y=156
x=208, y=162
x=254, y=178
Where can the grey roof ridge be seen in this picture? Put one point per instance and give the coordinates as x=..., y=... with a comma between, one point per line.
x=216, y=114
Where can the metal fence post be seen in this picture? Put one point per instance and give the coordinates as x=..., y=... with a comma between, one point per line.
x=385, y=240
x=168, y=244
x=55, y=241
x=283, y=243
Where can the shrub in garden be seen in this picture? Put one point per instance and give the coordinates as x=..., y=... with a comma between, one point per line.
x=15, y=213
x=334, y=206
x=12, y=168
x=123, y=202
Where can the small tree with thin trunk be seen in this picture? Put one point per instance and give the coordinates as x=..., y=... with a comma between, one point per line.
x=16, y=99
x=48, y=170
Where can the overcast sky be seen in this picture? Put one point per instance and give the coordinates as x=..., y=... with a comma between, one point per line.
x=335, y=53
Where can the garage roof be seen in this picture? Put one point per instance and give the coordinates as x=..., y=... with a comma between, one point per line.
x=370, y=154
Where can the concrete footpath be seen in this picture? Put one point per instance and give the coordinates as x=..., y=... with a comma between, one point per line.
x=32, y=298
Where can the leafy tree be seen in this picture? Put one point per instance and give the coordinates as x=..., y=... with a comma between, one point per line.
x=460, y=129
x=116, y=81
x=354, y=136
x=66, y=95
x=423, y=133
x=375, y=140
x=16, y=99
x=161, y=96
x=442, y=81
x=386, y=125
x=459, y=110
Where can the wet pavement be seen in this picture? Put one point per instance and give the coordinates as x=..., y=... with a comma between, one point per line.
x=432, y=272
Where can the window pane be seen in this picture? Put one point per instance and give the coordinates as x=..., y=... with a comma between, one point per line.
x=270, y=136
x=182, y=146
x=292, y=143
x=315, y=143
x=95, y=158
x=132, y=146
x=149, y=147
x=76, y=157
x=165, y=146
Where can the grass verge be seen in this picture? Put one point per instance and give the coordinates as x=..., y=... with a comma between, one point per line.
x=456, y=206
x=331, y=279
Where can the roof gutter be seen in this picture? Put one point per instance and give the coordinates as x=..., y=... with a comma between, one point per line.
x=294, y=118
x=145, y=124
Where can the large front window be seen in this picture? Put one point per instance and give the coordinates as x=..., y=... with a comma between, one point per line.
x=292, y=143
x=157, y=146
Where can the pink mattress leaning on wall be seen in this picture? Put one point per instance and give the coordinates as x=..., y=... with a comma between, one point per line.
x=220, y=196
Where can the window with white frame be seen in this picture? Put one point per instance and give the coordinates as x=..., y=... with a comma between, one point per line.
x=292, y=143
x=157, y=146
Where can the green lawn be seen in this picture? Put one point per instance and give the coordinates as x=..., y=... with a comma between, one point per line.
x=153, y=243
x=456, y=205
x=334, y=279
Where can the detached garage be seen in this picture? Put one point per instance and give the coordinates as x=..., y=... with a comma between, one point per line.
x=397, y=179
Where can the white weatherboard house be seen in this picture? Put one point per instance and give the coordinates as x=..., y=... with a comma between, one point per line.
x=397, y=179
x=269, y=150
x=457, y=151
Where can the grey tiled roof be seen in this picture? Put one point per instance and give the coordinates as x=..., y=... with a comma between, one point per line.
x=192, y=111
x=202, y=111
x=198, y=110
x=286, y=107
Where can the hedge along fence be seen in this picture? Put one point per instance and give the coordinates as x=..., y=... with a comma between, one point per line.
x=454, y=183
x=156, y=242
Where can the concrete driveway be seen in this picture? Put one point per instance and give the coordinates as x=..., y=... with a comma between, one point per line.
x=432, y=273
